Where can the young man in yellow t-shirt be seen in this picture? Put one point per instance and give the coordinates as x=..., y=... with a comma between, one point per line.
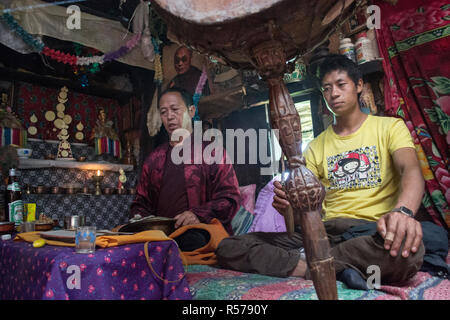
x=369, y=168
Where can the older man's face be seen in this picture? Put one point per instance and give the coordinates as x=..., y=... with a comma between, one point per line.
x=174, y=112
x=182, y=60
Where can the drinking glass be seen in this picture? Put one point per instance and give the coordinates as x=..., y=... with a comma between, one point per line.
x=85, y=239
x=27, y=226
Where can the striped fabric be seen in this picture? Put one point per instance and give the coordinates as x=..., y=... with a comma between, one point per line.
x=13, y=136
x=107, y=145
x=242, y=221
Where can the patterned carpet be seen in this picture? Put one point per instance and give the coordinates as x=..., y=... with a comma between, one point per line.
x=209, y=283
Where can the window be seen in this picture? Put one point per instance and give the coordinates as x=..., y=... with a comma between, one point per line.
x=304, y=111
x=306, y=120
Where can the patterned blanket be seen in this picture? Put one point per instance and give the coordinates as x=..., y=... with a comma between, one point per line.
x=210, y=283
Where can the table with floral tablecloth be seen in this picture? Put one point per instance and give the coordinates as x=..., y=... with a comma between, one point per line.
x=122, y=272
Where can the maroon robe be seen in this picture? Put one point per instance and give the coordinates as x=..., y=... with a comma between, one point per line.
x=212, y=189
x=188, y=81
x=172, y=198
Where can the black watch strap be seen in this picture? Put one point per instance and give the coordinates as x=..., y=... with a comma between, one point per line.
x=404, y=210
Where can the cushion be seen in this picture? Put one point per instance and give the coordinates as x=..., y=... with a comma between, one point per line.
x=248, y=197
x=242, y=221
x=267, y=218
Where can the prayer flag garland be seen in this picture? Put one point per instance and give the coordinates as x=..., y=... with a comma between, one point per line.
x=109, y=146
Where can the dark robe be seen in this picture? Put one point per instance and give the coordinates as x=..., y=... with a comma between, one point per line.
x=188, y=81
x=173, y=197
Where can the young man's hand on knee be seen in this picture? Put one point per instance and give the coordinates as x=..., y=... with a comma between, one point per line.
x=395, y=227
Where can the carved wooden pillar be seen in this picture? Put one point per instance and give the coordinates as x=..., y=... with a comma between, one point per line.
x=305, y=193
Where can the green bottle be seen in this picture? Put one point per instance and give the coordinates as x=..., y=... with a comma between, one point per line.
x=13, y=202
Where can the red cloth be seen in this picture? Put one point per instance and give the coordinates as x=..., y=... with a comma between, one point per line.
x=212, y=189
x=414, y=41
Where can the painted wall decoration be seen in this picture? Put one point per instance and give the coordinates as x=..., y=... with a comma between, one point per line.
x=33, y=102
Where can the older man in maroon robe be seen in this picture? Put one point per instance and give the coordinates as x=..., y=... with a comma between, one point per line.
x=190, y=193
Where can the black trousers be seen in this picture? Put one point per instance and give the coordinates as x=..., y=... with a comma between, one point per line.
x=192, y=239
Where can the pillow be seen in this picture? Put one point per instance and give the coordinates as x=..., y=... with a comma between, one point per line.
x=267, y=218
x=248, y=197
x=242, y=221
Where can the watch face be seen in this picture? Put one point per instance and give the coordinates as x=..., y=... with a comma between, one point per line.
x=406, y=211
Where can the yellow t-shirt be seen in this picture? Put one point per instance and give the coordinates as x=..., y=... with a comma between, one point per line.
x=357, y=170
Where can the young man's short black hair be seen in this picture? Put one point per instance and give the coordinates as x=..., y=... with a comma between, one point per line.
x=186, y=96
x=339, y=62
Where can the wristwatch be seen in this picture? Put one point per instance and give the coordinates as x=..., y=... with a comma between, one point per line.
x=404, y=210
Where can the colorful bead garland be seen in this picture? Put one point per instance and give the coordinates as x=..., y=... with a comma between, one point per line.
x=26, y=37
x=67, y=58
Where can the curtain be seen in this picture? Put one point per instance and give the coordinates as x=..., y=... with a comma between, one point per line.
x=414, y=41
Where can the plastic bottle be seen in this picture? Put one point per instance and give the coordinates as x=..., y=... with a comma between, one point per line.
x=347, y=48
x=363, y=46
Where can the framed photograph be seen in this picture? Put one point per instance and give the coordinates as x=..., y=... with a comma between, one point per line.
x=181, y=67
x=357, y=22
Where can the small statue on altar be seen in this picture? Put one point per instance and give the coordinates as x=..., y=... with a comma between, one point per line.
x=104, y=128
x=122, y=179
x=11, y=129
x=7, y=118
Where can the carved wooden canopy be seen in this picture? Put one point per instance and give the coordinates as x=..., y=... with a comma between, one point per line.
x=231, y=29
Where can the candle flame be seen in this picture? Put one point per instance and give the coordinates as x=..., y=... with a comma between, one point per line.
x=98, y=173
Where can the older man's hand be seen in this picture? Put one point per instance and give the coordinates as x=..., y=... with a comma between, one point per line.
x=395, y=227
x=186, y=218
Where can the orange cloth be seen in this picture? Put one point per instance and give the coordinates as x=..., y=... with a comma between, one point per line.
x=144, y=236
x=205, y=254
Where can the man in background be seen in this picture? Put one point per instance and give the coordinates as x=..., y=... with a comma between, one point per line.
x=187, y=75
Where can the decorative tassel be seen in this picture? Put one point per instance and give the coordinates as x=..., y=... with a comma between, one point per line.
x=159, y=77
x=198, y=91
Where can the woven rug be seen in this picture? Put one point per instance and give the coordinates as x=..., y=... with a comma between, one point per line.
x=210, y=283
